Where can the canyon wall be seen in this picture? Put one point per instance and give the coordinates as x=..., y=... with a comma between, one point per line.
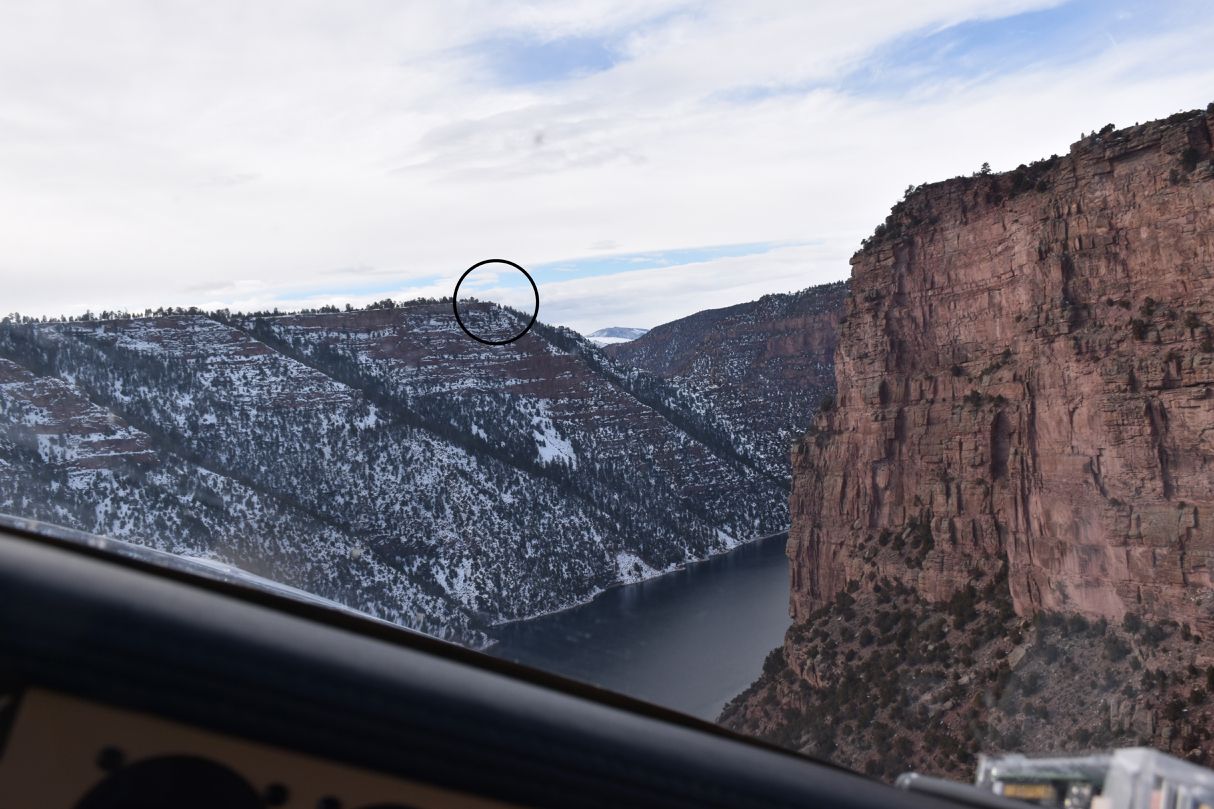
x=762, y=366
x=1025, y=378
x=378, y=457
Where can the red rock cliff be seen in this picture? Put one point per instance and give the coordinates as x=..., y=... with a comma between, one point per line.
x=1026, y=376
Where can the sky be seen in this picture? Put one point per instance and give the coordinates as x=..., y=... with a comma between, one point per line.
x=643, y=160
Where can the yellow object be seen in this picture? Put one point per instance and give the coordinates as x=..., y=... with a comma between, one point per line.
x=1029, y=792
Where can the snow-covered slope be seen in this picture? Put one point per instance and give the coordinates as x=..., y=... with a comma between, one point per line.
x=68, y=461
x=615, y=334
x=761, y=366
x=379, y=458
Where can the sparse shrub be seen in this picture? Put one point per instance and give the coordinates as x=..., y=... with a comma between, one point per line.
x=903, y=747
x=1031, y=683
x=1154, y=634
x=1115, y=649
x=774, y=662
x=1189, y=158
x=961, y=606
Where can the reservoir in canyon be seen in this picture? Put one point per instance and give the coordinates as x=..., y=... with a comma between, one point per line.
x=689, y=640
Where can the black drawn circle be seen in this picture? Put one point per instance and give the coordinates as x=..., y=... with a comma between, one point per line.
x=455, y=302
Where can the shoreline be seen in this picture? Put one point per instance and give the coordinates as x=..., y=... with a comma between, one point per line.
x=682, y=567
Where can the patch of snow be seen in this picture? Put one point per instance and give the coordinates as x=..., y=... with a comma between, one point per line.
x=458, y=581
x=727, y=540
x=368, y=421
x=549, y=443
x=633, y=568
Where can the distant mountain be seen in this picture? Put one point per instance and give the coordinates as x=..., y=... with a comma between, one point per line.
x=379, y=458
x=763, y=366
x=615, y=334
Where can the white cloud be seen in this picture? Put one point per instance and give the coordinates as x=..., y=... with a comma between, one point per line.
x=499, y=283
x=646, y=298
x=237, y=154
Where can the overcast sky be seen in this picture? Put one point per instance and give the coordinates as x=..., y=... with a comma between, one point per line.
x=644, y=159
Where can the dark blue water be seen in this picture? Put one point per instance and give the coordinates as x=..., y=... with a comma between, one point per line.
x=689, y=640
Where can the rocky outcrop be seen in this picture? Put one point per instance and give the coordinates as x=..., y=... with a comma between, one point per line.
x=1001, y=531
x=1026, y=379
x=886, y=682
x=762, y=366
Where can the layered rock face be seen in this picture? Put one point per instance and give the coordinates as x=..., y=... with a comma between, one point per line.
x=1026, y=379
x=379, y=458
x=763, y=366
x=1001, y=531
